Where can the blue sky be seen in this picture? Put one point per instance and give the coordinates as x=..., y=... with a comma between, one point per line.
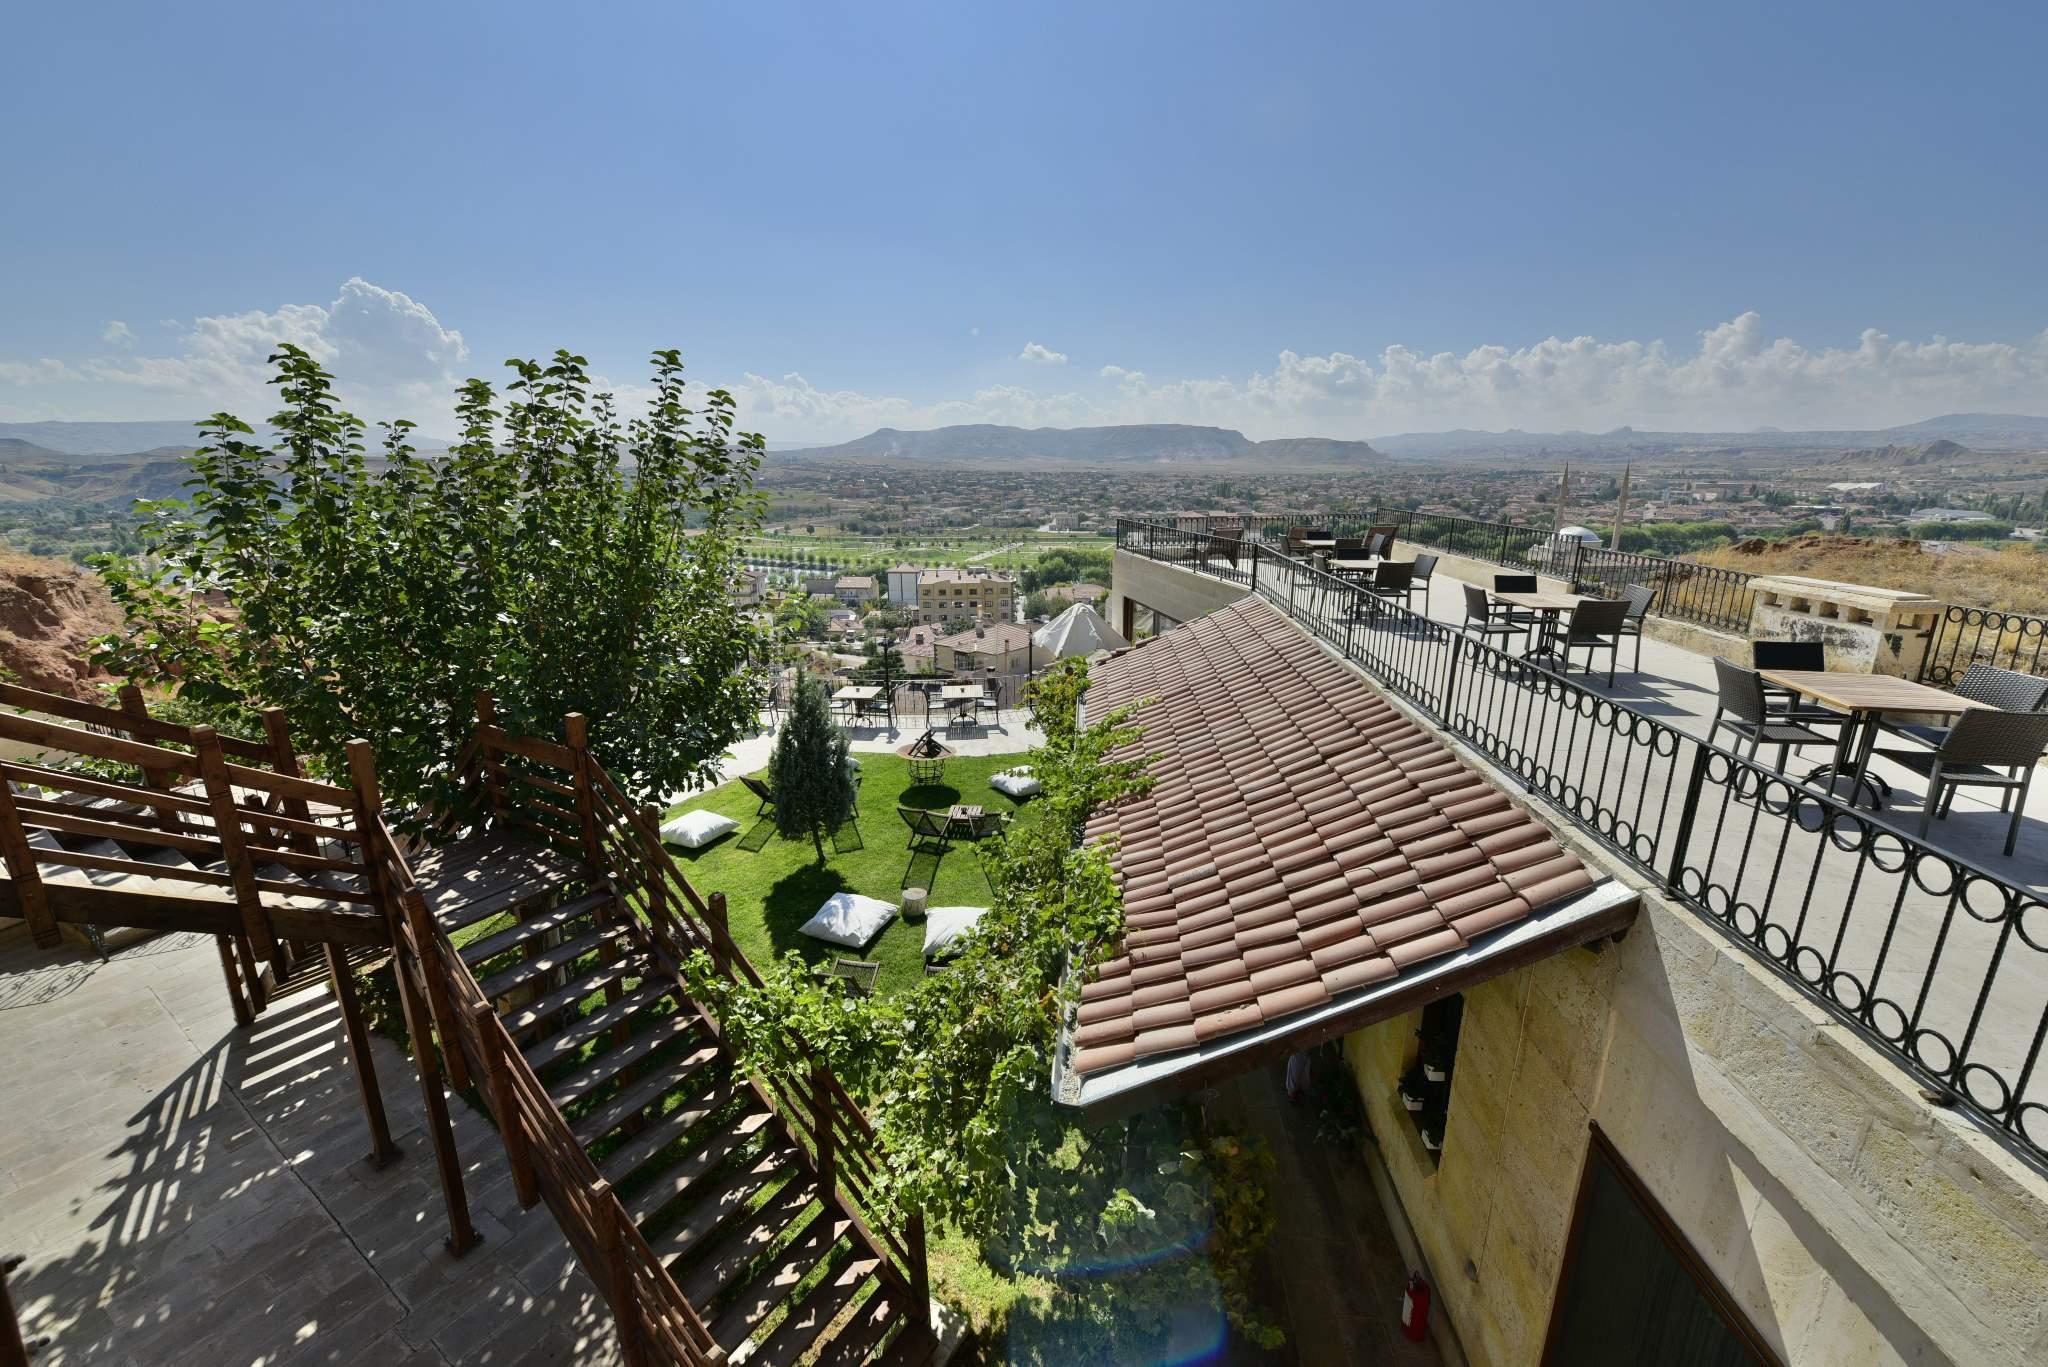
x=1349, y=219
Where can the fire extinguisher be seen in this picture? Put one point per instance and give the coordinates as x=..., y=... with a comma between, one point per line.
x=1415, y=1308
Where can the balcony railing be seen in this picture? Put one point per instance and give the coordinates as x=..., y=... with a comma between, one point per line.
x=1938, y=963
x=1967, y=636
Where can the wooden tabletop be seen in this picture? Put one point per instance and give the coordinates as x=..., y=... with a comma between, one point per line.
x=1315, y=543
x=1353, y=566
x=960, y=692
x=1867, y=692
x=1543, y=602
x=857, y=693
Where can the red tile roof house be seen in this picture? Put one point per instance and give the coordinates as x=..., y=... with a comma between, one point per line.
x=1309, y=860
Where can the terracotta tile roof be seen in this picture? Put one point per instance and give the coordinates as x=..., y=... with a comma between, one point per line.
x=1302, y=838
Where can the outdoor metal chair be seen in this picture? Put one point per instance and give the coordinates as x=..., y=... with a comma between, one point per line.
x=1485, y=619
x=1392, y=579
x=1595, y=625
x=1525, y=618
x=990, y=701
x=1986, y=748
x=760, y=790
x=927, y=828
x=988, y=824
x=1425, y=567
x=1783, y=702
x=1299, y=537
x=1379, y=540
x=860, y=972
x=1638, y=597
x=1740, y=707
x=2005, y=689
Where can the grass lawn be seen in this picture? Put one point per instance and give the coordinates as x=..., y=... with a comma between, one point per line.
x=772, y=886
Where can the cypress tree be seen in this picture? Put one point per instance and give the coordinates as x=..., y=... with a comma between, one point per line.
x=809, y=772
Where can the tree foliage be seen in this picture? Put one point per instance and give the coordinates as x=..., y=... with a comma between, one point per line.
x=809, y=771
x=561, y=557
x=955, y=1071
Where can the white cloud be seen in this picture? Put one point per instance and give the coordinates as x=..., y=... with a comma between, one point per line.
x=974, y=332
x=1034, y=354
x=388, y=352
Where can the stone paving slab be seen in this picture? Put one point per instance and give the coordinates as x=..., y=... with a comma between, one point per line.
x=187, y=1192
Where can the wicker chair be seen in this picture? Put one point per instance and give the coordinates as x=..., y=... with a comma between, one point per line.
x=1425, y=568
x=1519, y=583
x=1740, y=707
x=1595, y=625
x=1769, y=654
x=1986, y=748
x=1392, y=579
x=2008, y=690
x=1485, y=619
x=1638, y=597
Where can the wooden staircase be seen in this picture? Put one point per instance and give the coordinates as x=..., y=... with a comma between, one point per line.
x=538, y=940
x=728, y=1202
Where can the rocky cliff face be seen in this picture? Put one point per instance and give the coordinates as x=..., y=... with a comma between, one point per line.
x=49, y=614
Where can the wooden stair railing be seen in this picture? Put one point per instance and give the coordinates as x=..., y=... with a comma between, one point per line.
x=559, y=794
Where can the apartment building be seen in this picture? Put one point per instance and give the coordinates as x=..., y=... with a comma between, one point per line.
x=965, y=594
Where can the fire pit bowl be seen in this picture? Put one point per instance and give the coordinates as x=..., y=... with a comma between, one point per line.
x=927, y=756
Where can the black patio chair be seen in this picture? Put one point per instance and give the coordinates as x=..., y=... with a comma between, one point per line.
x=1986, y=748
x=1595, y=625
x=1528, y=619
x=1379, y=540
x=860, y=972
x=2008, y=690
x=1783, y=702
x=1425, y=567
x=1638, y=597
x=1392, y=579
x=990, y=701
x=1484, y=618
x=988, y=824
x=761, y=790
x=1740, y=707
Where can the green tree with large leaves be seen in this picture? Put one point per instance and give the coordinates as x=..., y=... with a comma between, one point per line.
x=559, y=555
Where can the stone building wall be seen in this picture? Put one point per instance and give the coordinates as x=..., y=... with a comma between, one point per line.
x=1853, y=1222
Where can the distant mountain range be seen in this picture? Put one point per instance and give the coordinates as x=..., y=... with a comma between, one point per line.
x=1980, y=431
x=1146, y=443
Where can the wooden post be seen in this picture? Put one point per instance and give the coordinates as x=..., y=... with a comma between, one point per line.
x=383, y=1152
x=494, y=778
x=511, y=1129
x=821, y=1131
x=618, y=1277
x=462, y=1235
x=285, y=761
x=920, y=1270
x=252, y=976
x=158, y=780
x=244, y=1017
x=421, y=926
x=576, y=732
x=227, y=822
x=721, y=935
x=31, y=901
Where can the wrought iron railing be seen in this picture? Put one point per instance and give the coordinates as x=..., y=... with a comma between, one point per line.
x=1935, y=961
x=1687, y=591
x=1967, y=636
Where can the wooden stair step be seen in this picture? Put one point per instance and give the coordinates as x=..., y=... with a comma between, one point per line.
x=753, y=1234
x=574, y=1087
x=526, y=1019
x=664, y=1130
x=558, y=1048
x=812, y=1316
x=662, y=1078
x=491, y=946
x=768, y=1288
x=852, y=1344
x=455, y=915
x=550, y=960
x=720, y=1201
x=685, y=1180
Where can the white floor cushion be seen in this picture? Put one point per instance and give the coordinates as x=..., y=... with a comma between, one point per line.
x=1015, y=783
x=946, y=927
x=695, y=830
x=850, y=919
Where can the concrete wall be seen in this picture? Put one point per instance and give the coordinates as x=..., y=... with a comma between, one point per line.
x=1179, y=593
x=1853, y=1222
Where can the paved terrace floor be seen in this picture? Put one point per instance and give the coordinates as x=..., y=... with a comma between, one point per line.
x=1953, y=972
x=188, y=1193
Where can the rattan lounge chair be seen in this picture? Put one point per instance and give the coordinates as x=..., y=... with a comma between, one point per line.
x=1986, y=748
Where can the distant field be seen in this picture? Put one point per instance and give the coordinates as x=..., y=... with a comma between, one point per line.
x=1009, y=551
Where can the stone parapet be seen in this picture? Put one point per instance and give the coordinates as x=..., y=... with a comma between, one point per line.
x=1871, y=630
